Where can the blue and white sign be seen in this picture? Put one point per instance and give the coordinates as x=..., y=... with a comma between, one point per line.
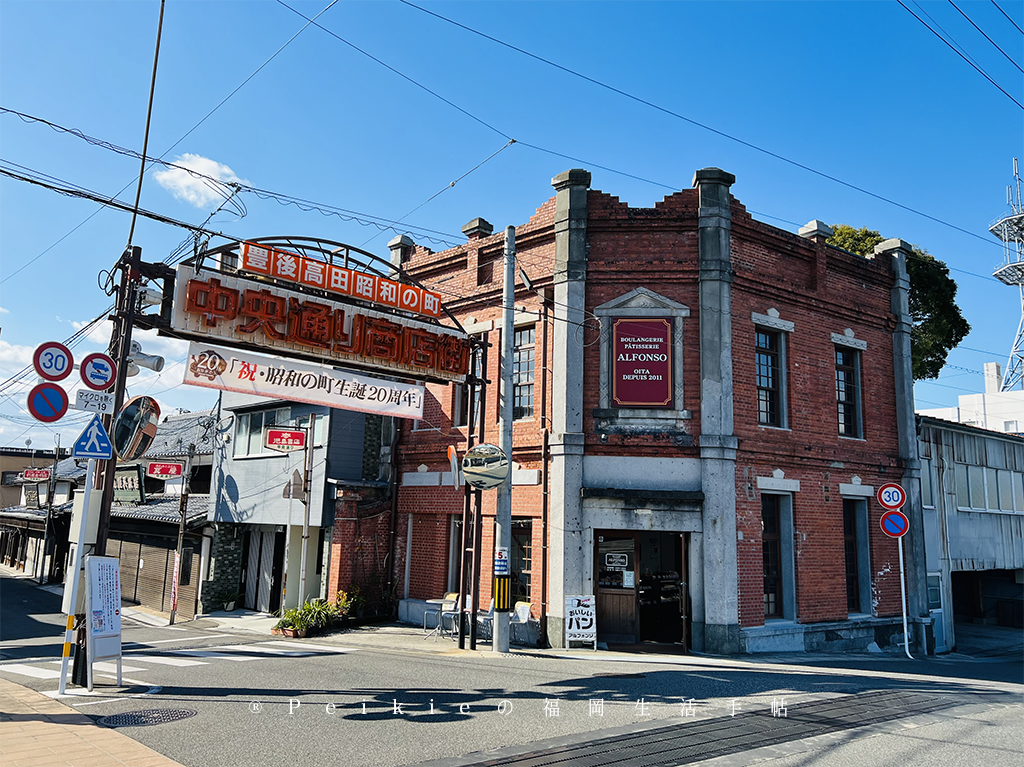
x=94, y=442
x=501, y=560
x=98, y=371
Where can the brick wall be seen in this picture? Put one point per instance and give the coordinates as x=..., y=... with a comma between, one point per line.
x=820, y=289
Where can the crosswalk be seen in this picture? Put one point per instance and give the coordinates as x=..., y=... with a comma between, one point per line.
x=146, y=660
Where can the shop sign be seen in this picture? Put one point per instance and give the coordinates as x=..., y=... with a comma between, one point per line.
x=239, y=371
x=238, y=311
x=39, y=475
x=580, y=619
x=31, y=496
x=338, y=280
x=130, y=485
x=164, y=470
x=642, y=363
x=285, y=440
x=616, y=561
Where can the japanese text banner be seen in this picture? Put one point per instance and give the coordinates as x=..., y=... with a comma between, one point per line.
x=213, y=367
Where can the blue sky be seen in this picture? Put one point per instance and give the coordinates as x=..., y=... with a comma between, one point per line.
x=860, y=91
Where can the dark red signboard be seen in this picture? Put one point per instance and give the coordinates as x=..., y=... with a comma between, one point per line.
x=286, y=439
x=642, y=363
x=164, y=470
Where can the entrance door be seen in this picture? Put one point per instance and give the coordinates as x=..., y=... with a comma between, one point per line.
x=642, y=593
x=616, y=587
x=662, y=593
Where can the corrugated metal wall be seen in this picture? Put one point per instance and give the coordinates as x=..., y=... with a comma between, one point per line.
x=147, y=569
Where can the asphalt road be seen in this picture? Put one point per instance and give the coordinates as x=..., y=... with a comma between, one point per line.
x=260, y=700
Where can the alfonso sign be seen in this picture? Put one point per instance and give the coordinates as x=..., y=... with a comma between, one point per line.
x=234, y=310
x=642, y=363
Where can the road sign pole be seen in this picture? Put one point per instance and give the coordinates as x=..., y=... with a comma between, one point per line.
x=51, y=489
x=307, y=487
x=182, y=510
x=903, y=601
x=69, y=630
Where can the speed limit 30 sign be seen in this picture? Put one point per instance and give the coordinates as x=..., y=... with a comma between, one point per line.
x=53, y=361
x=891, y=496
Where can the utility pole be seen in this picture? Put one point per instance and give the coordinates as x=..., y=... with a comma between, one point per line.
x=50, y=490
x=120, y=346
x=503, y=515
x=307, y=487
x=186, y=488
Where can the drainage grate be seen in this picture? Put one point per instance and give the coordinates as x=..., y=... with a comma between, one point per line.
x=695, y=742
x=148, y=717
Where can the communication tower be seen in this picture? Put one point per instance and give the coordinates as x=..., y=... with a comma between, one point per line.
x=1010, y=229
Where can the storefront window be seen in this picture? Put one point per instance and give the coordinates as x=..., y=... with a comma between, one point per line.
x=521, y=556
x=616, y=567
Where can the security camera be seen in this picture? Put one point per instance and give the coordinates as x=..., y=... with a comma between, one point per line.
x=136, y=360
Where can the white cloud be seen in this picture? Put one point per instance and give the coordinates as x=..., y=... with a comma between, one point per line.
x=198, y=192
x=99, y=335
x=15, y=357
x=4, y=311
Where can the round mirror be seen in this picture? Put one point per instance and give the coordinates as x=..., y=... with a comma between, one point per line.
x=135, y=428
x=485, y=466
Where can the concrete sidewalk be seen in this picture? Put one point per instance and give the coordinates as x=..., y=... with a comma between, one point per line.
x=37, y=731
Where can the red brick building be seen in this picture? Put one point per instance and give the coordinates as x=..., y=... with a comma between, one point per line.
x=704, y=407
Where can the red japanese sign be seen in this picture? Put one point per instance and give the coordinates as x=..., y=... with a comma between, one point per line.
x=164, y=470
x=236, y=310
x=39, y=475
x=336, y=279
x=642, y=363
x=284, y=440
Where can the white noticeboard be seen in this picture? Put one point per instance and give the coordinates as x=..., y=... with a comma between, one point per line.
x=103, y=611
x=581, y=620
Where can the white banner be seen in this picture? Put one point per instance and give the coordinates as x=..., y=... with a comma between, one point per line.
x=240, y=371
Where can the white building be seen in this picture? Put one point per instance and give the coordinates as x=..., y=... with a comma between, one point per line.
x=994, y=410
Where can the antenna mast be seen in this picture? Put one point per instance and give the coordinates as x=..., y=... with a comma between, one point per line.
x=1010, y=229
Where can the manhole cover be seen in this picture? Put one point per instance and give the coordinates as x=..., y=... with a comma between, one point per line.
x=147, y=717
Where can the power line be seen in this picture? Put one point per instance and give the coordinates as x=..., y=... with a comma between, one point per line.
x=698, y=124
x=994, y=43
x=1007, y=17
x=172, y=146
x=451, y=185
x=364, y=219
x=958, y=53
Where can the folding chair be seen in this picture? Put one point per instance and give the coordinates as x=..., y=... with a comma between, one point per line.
x=520, y=617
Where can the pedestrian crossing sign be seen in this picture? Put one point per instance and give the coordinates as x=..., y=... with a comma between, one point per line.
x=94, y=442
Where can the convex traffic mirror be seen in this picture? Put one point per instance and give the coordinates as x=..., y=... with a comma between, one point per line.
x=485, y=466
x=135, y=428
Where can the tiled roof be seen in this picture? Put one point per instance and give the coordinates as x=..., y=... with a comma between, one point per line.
x=165, y=509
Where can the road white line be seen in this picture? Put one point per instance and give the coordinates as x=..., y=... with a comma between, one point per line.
x=38, y=673
x=276, y=652
x=177, y=639
x=314, y=647
x=214, y=654
x=110, y=667
x=163, y=660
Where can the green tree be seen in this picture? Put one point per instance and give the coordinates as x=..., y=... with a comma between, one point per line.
x=938, y=324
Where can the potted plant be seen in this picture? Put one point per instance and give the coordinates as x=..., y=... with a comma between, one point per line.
x=292, y=623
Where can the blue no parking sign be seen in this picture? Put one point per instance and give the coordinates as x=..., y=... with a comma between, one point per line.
x=895, y=524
